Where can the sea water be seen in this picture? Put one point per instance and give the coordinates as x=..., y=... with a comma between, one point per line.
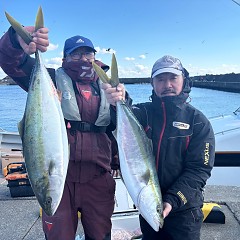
x=211, y=102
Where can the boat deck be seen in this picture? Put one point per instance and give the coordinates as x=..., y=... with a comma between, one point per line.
x=20, y=218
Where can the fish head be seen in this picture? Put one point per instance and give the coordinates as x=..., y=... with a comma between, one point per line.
x=46, y=200
x=160, y=215
x=47, y=206
x=150, y=207
x=49, y=201
x=47, y=193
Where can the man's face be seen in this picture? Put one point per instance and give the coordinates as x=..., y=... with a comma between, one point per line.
x=83, y=53
x=167, y=84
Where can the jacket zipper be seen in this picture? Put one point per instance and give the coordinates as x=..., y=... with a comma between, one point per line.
x=161, y=135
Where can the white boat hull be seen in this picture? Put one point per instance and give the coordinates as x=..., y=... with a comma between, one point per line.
x=227, y=133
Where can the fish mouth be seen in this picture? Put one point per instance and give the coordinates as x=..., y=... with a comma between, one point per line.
x=155, y=221
x=161, y=222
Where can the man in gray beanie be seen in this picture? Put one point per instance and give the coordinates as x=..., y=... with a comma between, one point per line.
x=183, y=146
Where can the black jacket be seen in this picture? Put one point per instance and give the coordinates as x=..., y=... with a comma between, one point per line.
x=184, y=147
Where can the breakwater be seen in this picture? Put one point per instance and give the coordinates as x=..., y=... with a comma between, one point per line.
x=222, y=86
x=223, y=82
x=134, y=80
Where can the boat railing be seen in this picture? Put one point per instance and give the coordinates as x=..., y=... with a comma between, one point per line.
x=227, y=131
x=236, y=112
x=218, y=116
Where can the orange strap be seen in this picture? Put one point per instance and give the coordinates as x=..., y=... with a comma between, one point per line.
x=14, y=176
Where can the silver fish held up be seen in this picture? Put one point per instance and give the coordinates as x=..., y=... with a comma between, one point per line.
x=44, y=137
x=137, y=166
x=137, y=162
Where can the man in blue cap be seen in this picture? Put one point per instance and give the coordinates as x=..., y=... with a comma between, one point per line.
x=89, y=186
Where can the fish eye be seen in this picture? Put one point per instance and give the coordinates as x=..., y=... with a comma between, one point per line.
x=48, y=200
x=158, y=208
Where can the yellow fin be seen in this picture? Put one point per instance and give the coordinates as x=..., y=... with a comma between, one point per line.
x=25, y=35
x=39, y=23
x=114, y=72
x=100, y=72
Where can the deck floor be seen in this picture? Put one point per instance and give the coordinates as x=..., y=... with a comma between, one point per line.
x=20, y=218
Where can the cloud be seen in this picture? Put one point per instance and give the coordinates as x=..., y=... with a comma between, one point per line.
x=137, y=70
x=129, y=58
x=140, y=67
x=52, y=47
x=221, y=69
x=53, y=62
x=105, y=50
x=142, y=56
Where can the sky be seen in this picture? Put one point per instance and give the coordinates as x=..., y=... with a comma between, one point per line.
x=203, y=34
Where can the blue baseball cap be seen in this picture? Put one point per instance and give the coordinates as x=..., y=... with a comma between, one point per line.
x=75, y=42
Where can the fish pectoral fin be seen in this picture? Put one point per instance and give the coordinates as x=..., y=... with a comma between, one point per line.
x=51, y=168
x=146, y=177
x=145, y=182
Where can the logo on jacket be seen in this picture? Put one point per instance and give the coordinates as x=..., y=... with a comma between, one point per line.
x=181, y=125
x=183, y=198
x=86, y=94
x=206, y=153
x=49, y=225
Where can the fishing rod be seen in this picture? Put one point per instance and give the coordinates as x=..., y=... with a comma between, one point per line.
x=236, y=2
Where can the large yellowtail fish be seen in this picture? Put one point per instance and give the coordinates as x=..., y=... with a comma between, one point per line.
x=137, y=162
x=43, y=132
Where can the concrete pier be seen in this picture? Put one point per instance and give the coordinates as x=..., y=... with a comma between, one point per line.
x=20, y=218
